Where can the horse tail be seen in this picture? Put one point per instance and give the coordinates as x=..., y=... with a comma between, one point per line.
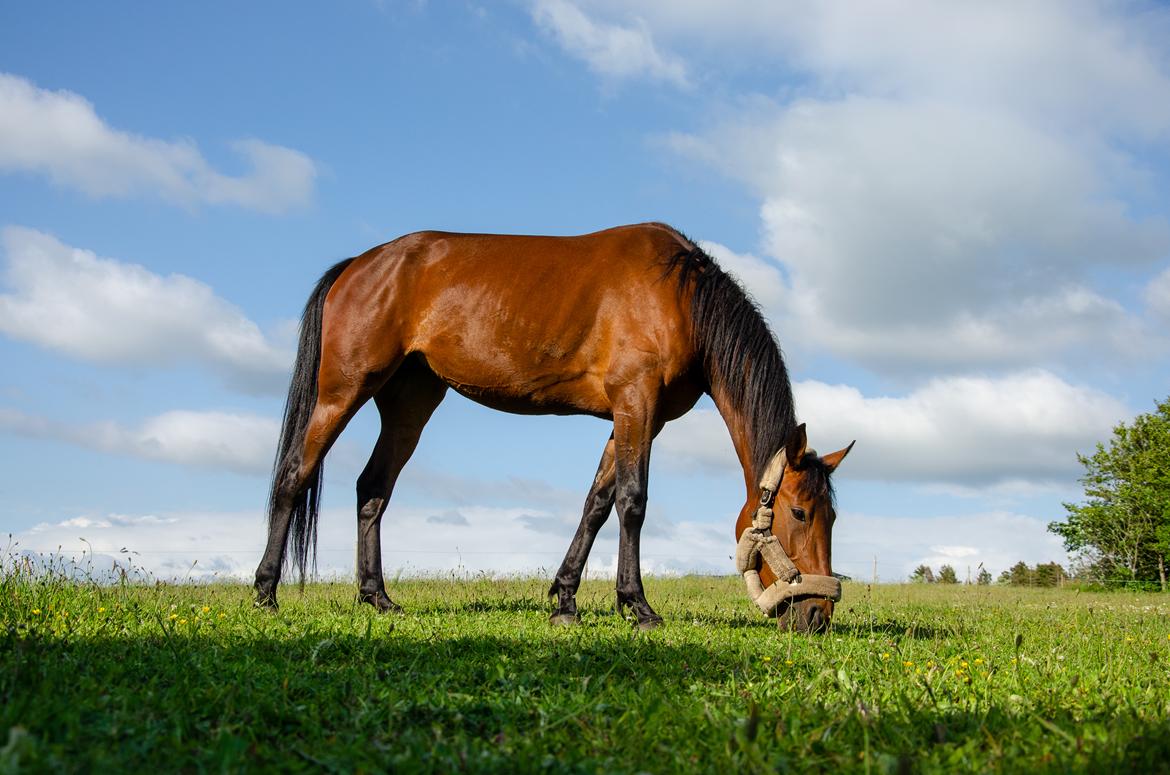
x=298, y=409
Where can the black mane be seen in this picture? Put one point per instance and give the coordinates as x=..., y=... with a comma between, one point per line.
x=740, y=355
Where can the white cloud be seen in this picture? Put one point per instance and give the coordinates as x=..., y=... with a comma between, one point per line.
x=967, y=431
x=1093, y=64
x=467, y=539
x=943, y=185
x=59, y=134
x=925, y=235
x=242, y=443
x=508, y=541
x=611, y=50
x=106, y=311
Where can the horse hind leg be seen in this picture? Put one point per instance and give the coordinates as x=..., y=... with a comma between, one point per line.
x=329, y=417
x=405, y=404
x=598, y=505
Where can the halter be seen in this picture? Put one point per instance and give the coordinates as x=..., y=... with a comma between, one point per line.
x=759, y=542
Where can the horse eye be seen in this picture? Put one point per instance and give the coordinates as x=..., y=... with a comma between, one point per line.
x=798, y=512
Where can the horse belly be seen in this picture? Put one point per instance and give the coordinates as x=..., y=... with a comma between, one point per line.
x=522, y=375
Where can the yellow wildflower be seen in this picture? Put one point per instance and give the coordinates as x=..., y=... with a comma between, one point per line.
x=36, y=612
x=767, y=659
x=222, y=616
x=907, y=663
x=101, y=609
x=885, y=655
x=174, y=616
x=206, y=609
x=182, y=621
x=979, y=660
x=789, y=662
x=963, y=663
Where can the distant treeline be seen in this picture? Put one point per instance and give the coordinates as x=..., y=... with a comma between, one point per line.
x=1048, y=574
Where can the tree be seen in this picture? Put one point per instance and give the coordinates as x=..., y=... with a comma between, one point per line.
x=1049, y=574
x=923, y=574
x=1124, y=524
x=946, y=575
x=1019, y=575
x=984, y=577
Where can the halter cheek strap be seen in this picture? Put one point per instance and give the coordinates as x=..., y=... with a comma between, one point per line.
x=759, y=543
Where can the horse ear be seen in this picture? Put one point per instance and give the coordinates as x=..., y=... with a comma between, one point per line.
x=796, y=445
x=833, y=459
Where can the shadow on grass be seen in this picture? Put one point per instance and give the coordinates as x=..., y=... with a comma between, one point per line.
x=325, y=700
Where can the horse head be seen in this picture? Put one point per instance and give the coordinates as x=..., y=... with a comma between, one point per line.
x=801, y=512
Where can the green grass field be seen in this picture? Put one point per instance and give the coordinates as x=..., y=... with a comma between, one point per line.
x=471, y=677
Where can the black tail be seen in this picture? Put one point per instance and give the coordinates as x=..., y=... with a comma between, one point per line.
x=298, y=408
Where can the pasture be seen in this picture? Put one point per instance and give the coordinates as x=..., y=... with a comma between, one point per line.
x=912, y=678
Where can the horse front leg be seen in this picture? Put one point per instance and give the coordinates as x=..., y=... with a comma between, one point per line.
x=634, y=430
x=598, y=505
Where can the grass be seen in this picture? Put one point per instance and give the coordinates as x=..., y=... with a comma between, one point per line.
x=912, y=678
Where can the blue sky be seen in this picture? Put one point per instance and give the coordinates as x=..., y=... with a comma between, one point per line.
x=955, y=218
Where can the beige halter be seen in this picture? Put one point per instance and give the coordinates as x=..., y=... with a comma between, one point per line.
x=759, y=542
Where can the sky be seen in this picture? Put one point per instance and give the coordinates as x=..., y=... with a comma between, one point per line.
x=955, y=216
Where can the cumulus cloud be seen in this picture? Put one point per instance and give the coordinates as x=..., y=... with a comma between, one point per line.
x=106, y=311
x=59, y=134
x=943, y=186
x=611, y=50
x=966, y=431
x=931, y=236
x=242, y=443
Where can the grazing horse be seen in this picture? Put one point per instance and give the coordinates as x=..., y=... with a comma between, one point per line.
x=631, y=324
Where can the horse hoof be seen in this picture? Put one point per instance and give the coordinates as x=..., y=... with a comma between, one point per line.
x=650, y=624
x=381, y=603
x=564, y=620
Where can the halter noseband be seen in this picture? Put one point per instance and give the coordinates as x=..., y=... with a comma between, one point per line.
x=758, y=543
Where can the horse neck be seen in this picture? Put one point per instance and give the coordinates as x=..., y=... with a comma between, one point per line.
x=740, y=439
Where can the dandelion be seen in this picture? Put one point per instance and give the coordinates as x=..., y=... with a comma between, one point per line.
x=963, y=663
x=789, y=662
x=222, y=616
x=174, y=617
x=36, y=612
x=101, y=609
x=907, y=663
x=885, y=655
x=182, y=621
x=979, y=660
x=767, y=659
x=930, y=663
x=206, y=609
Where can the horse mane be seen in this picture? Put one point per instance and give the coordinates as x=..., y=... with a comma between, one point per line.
x=740, y=355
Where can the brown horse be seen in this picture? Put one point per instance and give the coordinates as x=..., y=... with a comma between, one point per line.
x=632, y=324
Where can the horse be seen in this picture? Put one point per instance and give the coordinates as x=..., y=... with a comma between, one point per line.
x=632, y=324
